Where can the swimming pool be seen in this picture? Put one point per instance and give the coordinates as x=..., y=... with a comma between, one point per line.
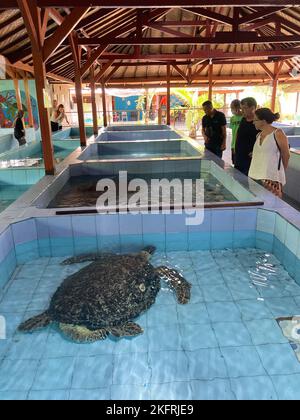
x=31, y=155
x=139, y=150
x=74, y=190
x=138, y=135
x=224, y=344
x=136, y=127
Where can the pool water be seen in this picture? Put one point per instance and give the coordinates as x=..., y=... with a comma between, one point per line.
x=139, y=150
x=81, y=191
x=10, y=193
x=224, y=344
x=32, y=156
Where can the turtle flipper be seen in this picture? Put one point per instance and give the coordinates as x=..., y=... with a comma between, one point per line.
x=82, y=334
x=176, y=282
x=83, y=258
x=35, y=323
x=130, y=329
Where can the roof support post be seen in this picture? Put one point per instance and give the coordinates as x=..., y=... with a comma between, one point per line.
x=277, y=70
x=93, y=100
x=210, y=81
x=76, y=51
x=104, y=104
x=18, y=94
x=32, y=19
x=168, y=95
x=28, y=102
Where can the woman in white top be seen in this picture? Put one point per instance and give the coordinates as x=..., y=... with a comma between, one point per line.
x=57, y=118
x=271, y=152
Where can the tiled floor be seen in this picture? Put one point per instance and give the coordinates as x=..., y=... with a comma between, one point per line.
x=225, y=344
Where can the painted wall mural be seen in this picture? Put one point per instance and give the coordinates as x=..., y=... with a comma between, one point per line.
x=8, y=103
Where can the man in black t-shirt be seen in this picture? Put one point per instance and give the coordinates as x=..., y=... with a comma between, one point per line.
x=214, y=129
x=246, y=136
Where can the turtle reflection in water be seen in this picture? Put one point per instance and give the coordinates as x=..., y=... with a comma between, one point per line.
x=106, y=296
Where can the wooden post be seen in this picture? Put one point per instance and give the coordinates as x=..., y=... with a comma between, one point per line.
x=28, y=102
x=168, y=95
x=18, y=94
x=40, y=79
x=104, y=105
x=32, y=20
x=274, y=88
x=76, y=52
x=80, y=112
x=210, y=81
x=93, y=99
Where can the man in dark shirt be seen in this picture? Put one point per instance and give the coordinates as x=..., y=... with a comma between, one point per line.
x=246, y=136
x=214, y=129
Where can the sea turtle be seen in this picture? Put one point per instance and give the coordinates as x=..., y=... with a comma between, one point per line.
x=107, y=295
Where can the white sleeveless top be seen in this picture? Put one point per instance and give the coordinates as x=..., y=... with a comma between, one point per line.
x=265, y=160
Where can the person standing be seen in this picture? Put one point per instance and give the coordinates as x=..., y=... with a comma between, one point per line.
x=57, y=117
x=214, y=129
x=19, y=130
x=270, y=154
x=235, y=121
x=246, y=136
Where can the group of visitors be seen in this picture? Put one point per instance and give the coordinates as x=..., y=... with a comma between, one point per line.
x=259, y=150
x=57, y=117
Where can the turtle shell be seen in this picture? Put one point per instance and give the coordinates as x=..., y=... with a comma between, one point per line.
x=108, y=292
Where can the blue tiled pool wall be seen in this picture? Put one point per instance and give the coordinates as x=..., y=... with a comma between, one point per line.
x=294, y=140
x=138, y=135
x=73, y=235
x=149, y=147
x=8, y=141
x=21, y=176
x=35, y=148
x=68, y=132
x=136, y=127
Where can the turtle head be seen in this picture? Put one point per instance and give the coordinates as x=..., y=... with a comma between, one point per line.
x=148, y=251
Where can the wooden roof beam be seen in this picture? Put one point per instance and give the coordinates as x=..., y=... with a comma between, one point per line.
x=221, y=38
x=265, y=12
x=218, y=17
x=162, y=28
x=13, y=4
x=268, y=72
x=182, y=74
x=66, y=27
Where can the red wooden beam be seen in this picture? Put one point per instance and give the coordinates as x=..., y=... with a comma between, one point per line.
x=260, y=14
x=221, y=38
x=269, y=73
x=104, y=69
x=78, y=87
x=201, y=54
x=91, y=60
x=168, y=95
x=32, y=20
x=169, y=31
x=180, y=72
x=93, y=100
x=68, y=25
x=236, y=78
x=218, y=17
x=13, y=4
